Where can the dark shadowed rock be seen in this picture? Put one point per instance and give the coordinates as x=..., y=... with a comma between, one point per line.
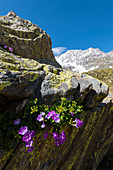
x=84, y=148
x=26, y=39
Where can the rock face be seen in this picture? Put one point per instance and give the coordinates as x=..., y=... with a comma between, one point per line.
x=83, y=149
x=23, y=77
x=26, y=39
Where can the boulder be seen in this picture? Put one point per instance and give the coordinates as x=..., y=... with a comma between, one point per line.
x=80, y=87
x=26, y=39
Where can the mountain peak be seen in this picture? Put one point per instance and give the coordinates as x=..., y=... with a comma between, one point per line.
x=12, y=13
x=86, y=60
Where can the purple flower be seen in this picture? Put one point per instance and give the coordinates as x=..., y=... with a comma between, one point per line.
x=16, y=122
x=72, y=113
x=47, y=116
x=27, y=137
x=23, y=130
x=10, y=49
x=42, y=113
x=29, y=143
x=55, y=134
x=5, y=46
x=55, y=117
x=57, y=142
x=50, y=114
x=32, y=133
x=30, y=149
x=40, y=118
x=43, y=125
x=62, y=137
x=79, y=123
x=63, y=133
x=46, y=135
x=59, y=139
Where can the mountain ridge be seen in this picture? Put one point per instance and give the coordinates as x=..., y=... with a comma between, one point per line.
x=85, y=60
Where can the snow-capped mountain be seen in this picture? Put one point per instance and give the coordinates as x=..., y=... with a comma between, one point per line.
x=85, y=60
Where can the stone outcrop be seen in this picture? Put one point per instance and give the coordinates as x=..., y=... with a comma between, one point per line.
x=23, y=77
x=26, y=39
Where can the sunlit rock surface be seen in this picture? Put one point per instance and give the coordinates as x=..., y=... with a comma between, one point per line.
x=26, y=39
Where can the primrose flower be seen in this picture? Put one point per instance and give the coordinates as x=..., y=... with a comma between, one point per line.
x=57, y=142
x=62, y=137
x=43, y=125
x=5, y=46
x=56, y=118
x=55, y=135
x=32, y=133
x=16, y=122
x=10, y=49
x=72, y=113
x=27, y=137
x=50, y=114
x=79, y=123
x=30, y=149
x=29, y=143
x=40, y=118
x=42, y=113
x=59, y=139
x=46, y=135
x=23, y=130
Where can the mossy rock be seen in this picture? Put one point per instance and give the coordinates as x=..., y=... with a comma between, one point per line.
x=26, y=39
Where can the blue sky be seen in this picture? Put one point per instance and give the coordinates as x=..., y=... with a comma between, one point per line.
x=73, y=24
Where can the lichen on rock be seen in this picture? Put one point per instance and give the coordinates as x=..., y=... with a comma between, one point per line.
x=26, y=39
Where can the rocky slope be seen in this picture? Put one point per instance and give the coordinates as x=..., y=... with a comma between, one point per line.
x=86, y=60
x=23, y=77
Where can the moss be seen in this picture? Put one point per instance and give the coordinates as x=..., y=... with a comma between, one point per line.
x=35, y=76
x=4, y=84
x=46, y=69
x=2, y=71
x=57, y=80
x=5, y=157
